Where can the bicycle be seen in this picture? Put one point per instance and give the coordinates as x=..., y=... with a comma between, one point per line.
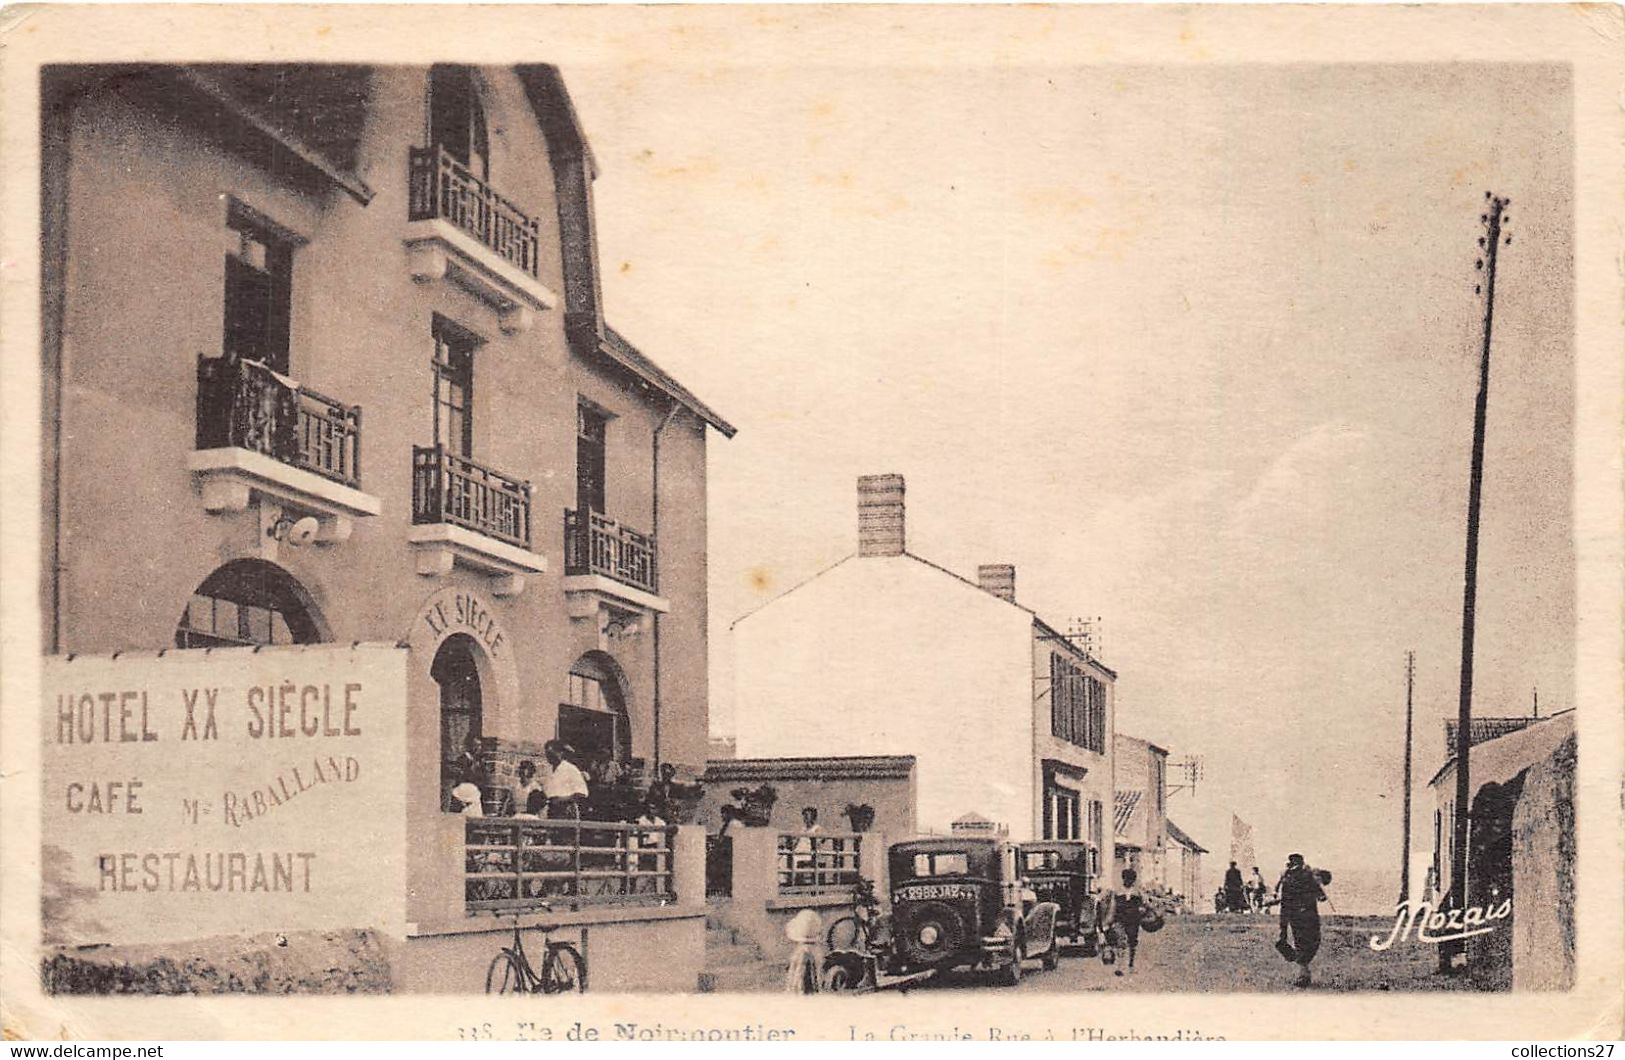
x=564, y=970
x=856, y=929
x=853, y=943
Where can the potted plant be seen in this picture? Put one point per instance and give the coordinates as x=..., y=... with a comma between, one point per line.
x=752, y=807
x=861, y=816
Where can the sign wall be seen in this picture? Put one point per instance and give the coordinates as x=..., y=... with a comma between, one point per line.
x=225, y=791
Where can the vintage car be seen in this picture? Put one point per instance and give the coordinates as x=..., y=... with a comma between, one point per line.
x=1058, y=870
x=961, y=902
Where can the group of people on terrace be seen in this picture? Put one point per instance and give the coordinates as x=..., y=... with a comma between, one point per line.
x=571, y=787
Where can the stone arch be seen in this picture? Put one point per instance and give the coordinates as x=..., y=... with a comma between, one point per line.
x=454, y=611
x=250, y=601
x=603, y=667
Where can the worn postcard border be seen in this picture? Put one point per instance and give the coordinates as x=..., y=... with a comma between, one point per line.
x=1589, y=38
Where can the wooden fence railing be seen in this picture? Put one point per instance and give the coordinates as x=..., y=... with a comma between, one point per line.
x=513, y=863
x=818, y=863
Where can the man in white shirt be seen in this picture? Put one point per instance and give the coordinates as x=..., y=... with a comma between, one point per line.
x=566, y=788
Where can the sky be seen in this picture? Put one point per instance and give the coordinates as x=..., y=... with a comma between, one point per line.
x=1195, y=347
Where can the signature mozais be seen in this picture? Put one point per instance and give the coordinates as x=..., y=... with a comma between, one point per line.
x=1428, y=921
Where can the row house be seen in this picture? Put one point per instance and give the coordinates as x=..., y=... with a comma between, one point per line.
x=888, y=653
x=1140, y=817
x=326, y=359
x=1188, y=884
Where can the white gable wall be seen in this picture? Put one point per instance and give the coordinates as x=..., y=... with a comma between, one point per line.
x=889, y=655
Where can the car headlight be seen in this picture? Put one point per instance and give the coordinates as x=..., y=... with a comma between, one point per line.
x=929, y=935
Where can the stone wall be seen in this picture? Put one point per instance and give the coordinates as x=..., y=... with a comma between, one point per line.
x=1543, y=875
x=327, y=962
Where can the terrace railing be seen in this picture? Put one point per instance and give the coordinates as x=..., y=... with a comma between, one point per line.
x=442, y=187
x=598, y=544
x=819, y=863
x=245, y=405
x=514, y=863
x=447, y=488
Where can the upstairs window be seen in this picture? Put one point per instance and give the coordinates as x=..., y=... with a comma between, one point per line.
x=454, y=387
x=592, y=428
x=456, y=119
x=1077, y=705
x=259, y=290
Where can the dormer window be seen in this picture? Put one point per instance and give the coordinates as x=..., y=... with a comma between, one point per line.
x=456, y=119
x=460, y=227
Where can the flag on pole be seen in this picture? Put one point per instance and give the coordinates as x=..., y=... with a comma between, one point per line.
x=1241, y=842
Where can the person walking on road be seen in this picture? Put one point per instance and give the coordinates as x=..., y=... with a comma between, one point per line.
x=1300, y=891
x=1120, y=912
x=1257, y=890
x=1234, y=898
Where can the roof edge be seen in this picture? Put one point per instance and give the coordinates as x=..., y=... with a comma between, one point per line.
x=555, y=110
x=618, y=348
x=834, y=767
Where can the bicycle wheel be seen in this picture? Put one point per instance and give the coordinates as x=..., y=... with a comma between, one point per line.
x=506, y=974
x=563, y=971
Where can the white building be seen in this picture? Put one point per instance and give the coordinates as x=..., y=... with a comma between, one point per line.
x=1189, y=881
x=1140, y=820
x=887, y=653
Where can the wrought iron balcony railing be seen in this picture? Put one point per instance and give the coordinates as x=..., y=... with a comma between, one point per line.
x=596, y=544
x=245, y=405
x=442, y=187
x=447, y=488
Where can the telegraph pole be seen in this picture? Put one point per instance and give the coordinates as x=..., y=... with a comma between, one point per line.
x=1493, y=218
x=1405, y=846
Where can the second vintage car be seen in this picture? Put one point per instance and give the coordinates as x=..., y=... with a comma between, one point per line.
x=1060, y=871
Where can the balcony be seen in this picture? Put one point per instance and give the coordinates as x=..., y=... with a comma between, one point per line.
x=464, y=512
x=261, y=433
x=609, y=565
x=459, y=228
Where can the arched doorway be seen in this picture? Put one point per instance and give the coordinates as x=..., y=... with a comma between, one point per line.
x=593, y=717
x=456, y=671
x=248, y=602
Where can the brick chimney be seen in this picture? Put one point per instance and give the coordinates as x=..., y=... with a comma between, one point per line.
x=880, y=515
x=998, y=579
